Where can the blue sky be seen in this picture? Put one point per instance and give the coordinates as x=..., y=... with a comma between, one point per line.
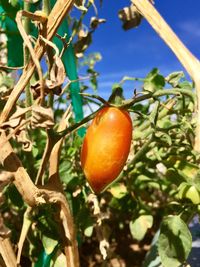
x=135, y=52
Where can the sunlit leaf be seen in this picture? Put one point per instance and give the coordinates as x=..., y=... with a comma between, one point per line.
x=49, y=244
x=139, y=226
x=154, y=81
x=88, y=230
x=175, y=241
x=58, y=260
x=174, y=78
x=118, y=190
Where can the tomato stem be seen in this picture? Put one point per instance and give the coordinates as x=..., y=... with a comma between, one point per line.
x=102, y=100
x=126, y=105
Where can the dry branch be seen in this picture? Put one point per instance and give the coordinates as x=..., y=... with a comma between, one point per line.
x=58, y=13
x=187, y=59
x=45, y=158
x=6, y=249
x=11, y=163
x=35, y=196
x=7, y=252
x=54, y=181
x=25, y=228
x=27, y=43
x=55, y=153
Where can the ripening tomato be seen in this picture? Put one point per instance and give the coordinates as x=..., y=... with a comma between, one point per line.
x=106, y=147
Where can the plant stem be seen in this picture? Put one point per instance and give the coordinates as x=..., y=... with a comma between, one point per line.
x=75, y=125
x=26, y=57
x=142, y=131
x=7, y=252
x=130, y=103
x=139, y=155
x=174, y=91
x=46, y=7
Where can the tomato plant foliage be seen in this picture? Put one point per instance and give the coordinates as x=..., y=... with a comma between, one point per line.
x=157, y=189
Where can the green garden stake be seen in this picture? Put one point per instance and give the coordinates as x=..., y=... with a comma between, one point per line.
x=45, y=259
x=15, y=56
x=69, y=61
x=70, y=66
x=7, y=23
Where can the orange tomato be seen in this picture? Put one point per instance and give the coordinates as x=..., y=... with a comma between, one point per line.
x=106, y=147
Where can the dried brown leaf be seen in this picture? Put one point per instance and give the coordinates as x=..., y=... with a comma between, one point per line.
x=95, y=22
x=56, y=78
x=57, y=75
x=130, y=17
x=12, y=123
x=80, y=4
x=16, y=119
x=22, y=137
x=4, y=231
x=5, y=177
x=42, y=117
x=85, y=39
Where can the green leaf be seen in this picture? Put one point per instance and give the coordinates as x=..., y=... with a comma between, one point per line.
x=15, y=196
x=93, y=78
x=175, y=242
x=88, y=230
x=58, y=260
x=10, y=8
x=164, y=137
x=116, y=96
x=186, y=85
x=174, y=78
x=154, y=114
x=35, y=151
x=184, y=169
x=49, y=244
x=139, y=226
x=154, y=81
x=85, y=221
x=7, y=81
x=118, y=190
x=190, y=192
x=13, y=3
x=6, y=84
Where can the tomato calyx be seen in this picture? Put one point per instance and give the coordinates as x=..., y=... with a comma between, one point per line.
x=116, y=98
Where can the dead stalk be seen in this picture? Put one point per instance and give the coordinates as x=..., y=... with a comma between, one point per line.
x=54, y=180
x=35, y=196
x=187, y=59
x=28, y=44
x=7, y=252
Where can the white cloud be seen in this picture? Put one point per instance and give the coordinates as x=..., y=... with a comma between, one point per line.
x=191, y=28
x=118, y=75
x=110, y=78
